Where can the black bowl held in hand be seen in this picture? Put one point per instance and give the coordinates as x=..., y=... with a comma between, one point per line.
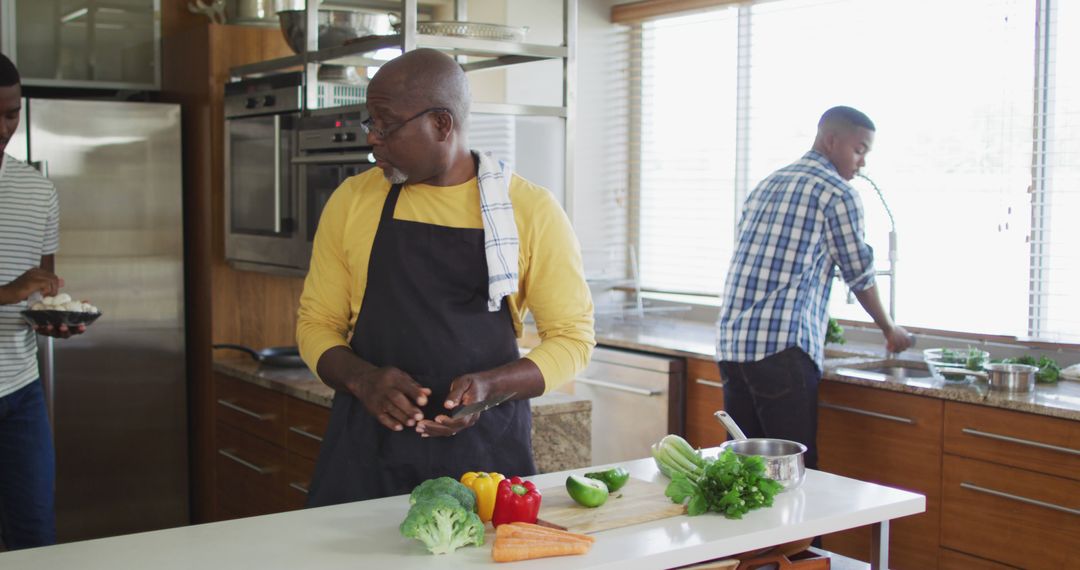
x=46, y=317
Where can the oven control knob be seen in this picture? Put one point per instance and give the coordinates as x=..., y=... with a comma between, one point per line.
x=251, y=103
x=338, y=137
x=269, y=101
x=350, y=137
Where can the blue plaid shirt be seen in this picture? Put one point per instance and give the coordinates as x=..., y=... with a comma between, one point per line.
x=798, y=224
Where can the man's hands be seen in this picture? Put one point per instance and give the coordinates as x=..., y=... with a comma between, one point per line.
x=63, y=331
x=898, y=340
x=464, y=390
x=33, y=280
x=391, y=396
x=520, y=376
x=394, y=398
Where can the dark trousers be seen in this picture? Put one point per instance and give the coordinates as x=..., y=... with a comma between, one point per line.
x=775, y=397
x=27, y=470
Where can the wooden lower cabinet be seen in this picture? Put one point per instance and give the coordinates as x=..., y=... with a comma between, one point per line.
x=249, y=474
x=953, y=560
x=704, y=396
x=889, y=438
x=298, y=472
x=266, y=444
x=1013, y=516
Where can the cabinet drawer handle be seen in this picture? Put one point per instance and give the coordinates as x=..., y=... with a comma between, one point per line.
x=619, y=387
x=299, y=487
x=1020, y=441
x=244, y=410
x=709, y=383
x=1019, y=498
x=863, y=412
x=305, y=433
x=248, y=464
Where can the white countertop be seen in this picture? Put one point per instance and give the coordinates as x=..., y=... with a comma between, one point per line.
x=365, y=535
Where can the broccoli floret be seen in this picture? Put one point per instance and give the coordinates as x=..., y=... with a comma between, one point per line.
x=442, y=524
x=444, y=486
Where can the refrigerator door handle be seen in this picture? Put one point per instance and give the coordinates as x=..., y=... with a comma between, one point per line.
x=48, y=378
x=277, y=174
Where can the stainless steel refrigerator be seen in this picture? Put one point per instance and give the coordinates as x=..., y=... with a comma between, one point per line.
x=118, y=392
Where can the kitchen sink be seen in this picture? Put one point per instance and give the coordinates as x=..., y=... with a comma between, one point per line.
x=895, y=370
x=901, y=372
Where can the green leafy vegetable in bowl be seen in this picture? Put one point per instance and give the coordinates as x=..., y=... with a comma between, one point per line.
x=1049, y=371
x=971, y=359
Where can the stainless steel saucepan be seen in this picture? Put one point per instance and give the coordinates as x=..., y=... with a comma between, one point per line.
x=1002, y=377
x=783, y=458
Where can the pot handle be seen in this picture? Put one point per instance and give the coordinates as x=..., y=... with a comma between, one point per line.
x=241, y=348
x=964, y=371
x=729, y=423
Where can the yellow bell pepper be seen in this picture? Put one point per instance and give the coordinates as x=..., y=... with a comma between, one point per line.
x=485, y=485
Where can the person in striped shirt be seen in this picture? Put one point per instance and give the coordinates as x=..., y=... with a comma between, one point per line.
x=797, y=225
x=29, y=236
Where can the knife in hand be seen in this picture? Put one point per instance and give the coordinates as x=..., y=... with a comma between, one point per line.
x=477, y=407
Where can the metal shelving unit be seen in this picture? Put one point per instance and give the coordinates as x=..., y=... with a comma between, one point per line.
x=495, y=54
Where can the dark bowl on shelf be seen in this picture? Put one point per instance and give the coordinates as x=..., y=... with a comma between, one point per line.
x=42, y=318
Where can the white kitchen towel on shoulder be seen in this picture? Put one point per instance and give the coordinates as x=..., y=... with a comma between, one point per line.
x=500, y=230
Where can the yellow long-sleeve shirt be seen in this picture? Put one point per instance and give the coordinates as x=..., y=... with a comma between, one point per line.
x=551, y=276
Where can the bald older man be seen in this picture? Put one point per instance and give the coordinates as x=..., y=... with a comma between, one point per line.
x=421, y=274
x=797, y=225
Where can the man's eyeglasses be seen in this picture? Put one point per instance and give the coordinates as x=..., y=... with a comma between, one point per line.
x=368, y=124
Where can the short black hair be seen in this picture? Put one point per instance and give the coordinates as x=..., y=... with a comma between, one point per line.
x=849, y=115
x=9, y=74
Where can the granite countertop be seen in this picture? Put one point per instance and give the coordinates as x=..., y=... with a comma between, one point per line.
x=301, y=383
x=697, y=340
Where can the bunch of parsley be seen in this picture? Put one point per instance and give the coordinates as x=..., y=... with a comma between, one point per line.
x=731, y=485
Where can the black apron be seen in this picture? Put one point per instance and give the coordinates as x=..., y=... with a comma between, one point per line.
x=425, y=312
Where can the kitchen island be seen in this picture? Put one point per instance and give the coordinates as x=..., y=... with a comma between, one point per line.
x=365, y=535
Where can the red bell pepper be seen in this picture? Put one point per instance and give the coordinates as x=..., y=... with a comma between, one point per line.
x=516, y=501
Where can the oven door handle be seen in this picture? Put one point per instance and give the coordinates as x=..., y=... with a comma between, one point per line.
x=277, y=174
x=617, y=386
x=348, y=157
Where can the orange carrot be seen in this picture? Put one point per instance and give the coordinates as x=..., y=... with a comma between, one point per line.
x=526, y=530
x=509, y=549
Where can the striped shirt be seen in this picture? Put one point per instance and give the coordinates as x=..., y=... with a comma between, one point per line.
x=798, y=224
x=29, y=229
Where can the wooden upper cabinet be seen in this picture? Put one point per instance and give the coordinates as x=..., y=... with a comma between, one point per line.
x=704, y=396
x=889, y=438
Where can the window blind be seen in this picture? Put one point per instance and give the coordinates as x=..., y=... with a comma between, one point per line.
x=730, y=95
x=1055, y=256
x=686, y=206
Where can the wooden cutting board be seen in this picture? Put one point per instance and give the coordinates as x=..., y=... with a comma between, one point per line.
x=637, y=502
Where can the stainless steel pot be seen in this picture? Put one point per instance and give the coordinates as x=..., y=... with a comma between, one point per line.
x=1013, y=378
x=251, y=12
x=335, y=26
x=783, y=458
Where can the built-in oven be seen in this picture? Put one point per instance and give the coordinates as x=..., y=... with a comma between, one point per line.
x=261, y=207
x=330, y=149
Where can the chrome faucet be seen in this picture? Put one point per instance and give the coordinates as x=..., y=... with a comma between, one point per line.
x=891, y=272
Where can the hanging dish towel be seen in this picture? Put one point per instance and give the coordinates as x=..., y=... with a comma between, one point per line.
x=500, y=231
